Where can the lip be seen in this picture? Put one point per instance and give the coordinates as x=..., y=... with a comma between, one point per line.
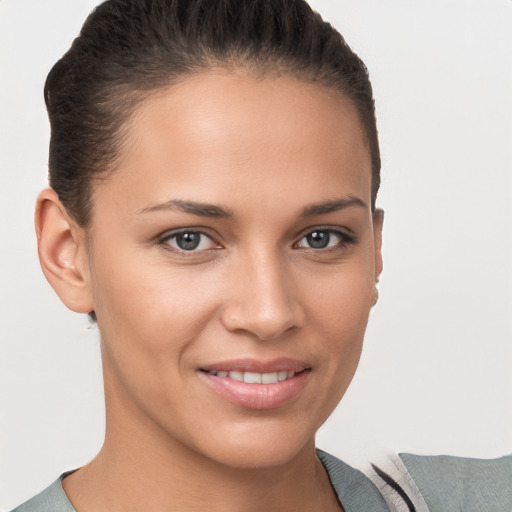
x=257, y=396
x=257, y=365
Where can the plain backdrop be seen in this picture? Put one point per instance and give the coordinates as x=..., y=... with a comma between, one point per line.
x=436, y=371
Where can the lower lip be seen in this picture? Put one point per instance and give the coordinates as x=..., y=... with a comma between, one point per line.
x=257, y=396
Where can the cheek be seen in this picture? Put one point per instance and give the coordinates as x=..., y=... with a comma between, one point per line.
x=338, y=317
x=148, y=314
x=341, y=298
x=148, y=320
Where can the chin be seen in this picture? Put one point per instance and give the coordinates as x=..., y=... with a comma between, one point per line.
x=255, y=457
x=260, y=446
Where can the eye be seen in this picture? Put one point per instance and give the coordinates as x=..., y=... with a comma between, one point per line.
x=189, y=241
x=324, y=239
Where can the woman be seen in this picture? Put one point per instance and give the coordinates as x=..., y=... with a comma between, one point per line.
x=214, y=170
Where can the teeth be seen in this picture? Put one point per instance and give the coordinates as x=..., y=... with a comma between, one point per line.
x=236, y=376
x=255, y=377
x=269, y=378
x=252, y=378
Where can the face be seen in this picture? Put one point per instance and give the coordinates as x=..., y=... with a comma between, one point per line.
x=232, y=263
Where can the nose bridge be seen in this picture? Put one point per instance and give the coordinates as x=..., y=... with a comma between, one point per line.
x=263, y=301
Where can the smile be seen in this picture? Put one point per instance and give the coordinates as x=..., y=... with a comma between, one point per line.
x=255, y=377
x=250, y=384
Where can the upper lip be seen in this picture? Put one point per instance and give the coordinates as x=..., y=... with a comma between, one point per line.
x=257, y=365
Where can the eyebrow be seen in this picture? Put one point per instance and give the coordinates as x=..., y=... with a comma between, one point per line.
x=193, y=207
x=332, y=205
x=211, y=210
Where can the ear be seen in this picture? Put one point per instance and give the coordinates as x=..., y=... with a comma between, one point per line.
x=378, y=221
x=62, y=252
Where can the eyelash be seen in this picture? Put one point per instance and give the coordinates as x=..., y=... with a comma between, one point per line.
x=344, y=240
x=165, y=241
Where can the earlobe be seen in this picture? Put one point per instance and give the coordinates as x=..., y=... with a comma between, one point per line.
x=62, y=252
x=378, y=221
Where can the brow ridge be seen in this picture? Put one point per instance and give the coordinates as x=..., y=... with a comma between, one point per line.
x=332, y=205
x=193, y=207
x=211, y=210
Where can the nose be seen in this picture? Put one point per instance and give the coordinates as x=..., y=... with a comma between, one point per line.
x=263, y=300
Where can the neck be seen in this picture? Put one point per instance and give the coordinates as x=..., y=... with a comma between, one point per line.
x=154, y=479
x=144, y=475
x=141, y=467
x=199, y=487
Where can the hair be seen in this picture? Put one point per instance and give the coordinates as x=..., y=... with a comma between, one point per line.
x=130, y=48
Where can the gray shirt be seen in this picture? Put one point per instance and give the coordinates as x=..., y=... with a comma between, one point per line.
x=446, y=484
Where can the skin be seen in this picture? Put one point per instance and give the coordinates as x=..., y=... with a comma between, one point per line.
x=264, y=151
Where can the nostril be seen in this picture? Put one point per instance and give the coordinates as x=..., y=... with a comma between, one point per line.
x=272, y=333
x=263, y=301
x=265, y=327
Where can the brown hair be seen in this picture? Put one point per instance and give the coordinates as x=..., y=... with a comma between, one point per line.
x=128, y=48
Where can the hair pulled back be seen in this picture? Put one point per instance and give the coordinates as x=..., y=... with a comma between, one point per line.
x=128, y=48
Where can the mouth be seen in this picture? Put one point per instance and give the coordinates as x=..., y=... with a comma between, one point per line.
x=255, y=377
x=254, y=385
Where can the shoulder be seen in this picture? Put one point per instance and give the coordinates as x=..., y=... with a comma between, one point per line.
x=424, y=483
x=455, y=483
x=355, y=490
x=52, y=499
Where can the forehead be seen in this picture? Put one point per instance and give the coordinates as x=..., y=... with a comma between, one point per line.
x=215, y=133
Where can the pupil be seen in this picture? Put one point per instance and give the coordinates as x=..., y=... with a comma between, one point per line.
x=318, y=239
x=188, y=241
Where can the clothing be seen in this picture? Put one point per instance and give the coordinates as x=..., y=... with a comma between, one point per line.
x=455, y=484
x=52, y=499
x=447, y=484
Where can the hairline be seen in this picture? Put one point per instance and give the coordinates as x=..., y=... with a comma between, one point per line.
x=137, y=98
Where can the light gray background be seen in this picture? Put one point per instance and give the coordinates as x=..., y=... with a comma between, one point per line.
x=435, y=376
